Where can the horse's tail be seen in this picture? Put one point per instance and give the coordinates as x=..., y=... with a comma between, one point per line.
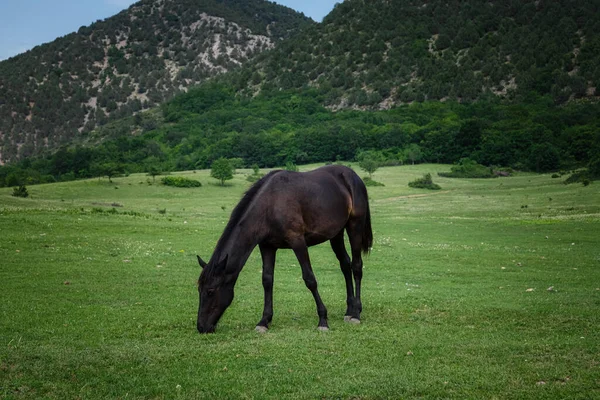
x=360, y=198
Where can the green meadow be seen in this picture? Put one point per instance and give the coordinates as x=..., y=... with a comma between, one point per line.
x=487, y=288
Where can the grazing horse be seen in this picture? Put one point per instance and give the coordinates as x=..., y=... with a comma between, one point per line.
x=290, y=210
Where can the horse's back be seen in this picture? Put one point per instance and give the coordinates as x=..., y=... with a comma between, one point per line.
x=316, y=204
x=319, y=191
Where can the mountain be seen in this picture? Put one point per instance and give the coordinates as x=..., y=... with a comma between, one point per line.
x=60, y=91
x=379, y=53
x=506, y=83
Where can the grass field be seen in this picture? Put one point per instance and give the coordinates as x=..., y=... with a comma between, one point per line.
x=485, y=289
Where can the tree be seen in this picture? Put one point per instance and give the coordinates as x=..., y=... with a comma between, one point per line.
x=109, y=169
x=369, y=161
x=544, y=157
x=413, y=153
x=222, y=170
x=153, y=167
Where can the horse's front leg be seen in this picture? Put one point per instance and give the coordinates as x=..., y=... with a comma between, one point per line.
x=268, y=260
x=308, y=275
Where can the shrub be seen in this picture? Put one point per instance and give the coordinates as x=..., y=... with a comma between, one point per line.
x=290, y=166
x=180, y=181
x=424, y=183
x=20, y=191
x=583, y=176
x=467, y=168
x=256, y=175
x=370, y=182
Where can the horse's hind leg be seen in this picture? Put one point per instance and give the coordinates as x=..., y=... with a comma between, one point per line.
x=354, y=230
x=308, y=275
x=268, y=259
x=338, y=247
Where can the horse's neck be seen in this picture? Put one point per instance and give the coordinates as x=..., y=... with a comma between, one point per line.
x=238, y=246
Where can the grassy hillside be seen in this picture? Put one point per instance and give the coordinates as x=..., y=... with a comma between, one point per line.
x=484, y=288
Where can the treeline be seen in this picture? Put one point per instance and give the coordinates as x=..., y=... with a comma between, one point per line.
x=280, y=127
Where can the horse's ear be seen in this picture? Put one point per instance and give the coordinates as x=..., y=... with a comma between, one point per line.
x=201, y=262
x=223, y=263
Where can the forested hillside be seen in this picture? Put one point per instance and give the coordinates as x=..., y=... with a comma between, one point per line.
x=281, y=127
x=378, y=53
x=58, y=92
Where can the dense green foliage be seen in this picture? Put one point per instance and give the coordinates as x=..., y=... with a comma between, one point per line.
x=60, y=91
x=424, y=182
x=180, y=181
x=272, y=129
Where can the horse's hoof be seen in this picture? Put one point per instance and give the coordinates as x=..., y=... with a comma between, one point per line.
x=354, y=321
x=261, y=329
x=347, y=318
x=323, y=328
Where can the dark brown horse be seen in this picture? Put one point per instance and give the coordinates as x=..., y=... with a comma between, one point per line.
x=290, y=210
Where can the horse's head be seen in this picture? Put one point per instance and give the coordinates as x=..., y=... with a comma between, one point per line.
x=215, y=288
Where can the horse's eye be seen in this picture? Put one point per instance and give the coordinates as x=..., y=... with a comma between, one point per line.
x=210, y=292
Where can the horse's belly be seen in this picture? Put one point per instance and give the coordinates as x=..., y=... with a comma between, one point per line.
x=313, y=239
x=310, y=238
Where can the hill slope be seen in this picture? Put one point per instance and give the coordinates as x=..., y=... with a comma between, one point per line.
x=375, y=54
x=130, y=62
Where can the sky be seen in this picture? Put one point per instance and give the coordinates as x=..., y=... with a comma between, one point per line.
x=25, y=24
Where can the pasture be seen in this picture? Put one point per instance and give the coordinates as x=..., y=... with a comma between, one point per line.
x=484, y=289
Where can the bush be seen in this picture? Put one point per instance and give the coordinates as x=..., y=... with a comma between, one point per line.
x=256, y=175
x=370, y=182
x=583, y=176
x=467, y=168
x=424, y=183
x=290, y=166
x=20, y=191
x=180, y=181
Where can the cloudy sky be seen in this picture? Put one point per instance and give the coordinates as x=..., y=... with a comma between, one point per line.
x=28, y=23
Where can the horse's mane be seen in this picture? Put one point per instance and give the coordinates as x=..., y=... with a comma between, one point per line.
x=236, y=215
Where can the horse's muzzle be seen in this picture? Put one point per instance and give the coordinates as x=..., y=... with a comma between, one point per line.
x=206, y=329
